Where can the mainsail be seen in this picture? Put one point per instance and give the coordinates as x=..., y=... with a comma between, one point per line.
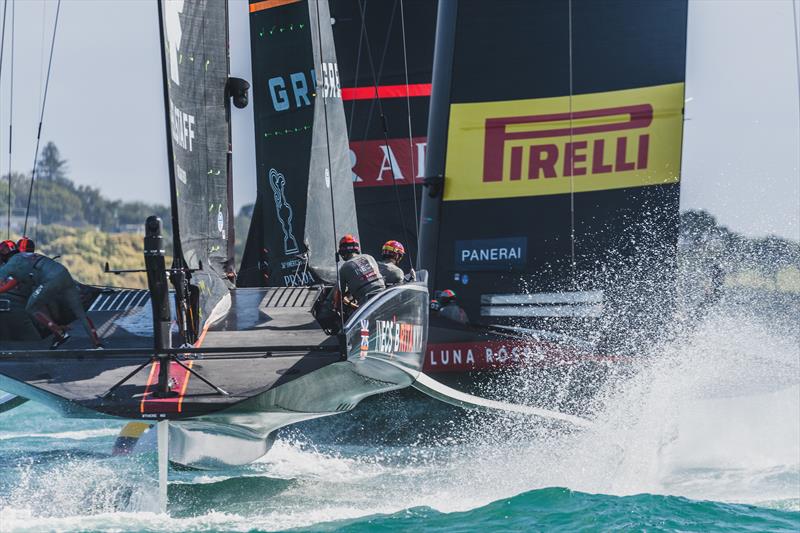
x=196, y=60
x=301, y=147
x=556, y=127
x=385, y=51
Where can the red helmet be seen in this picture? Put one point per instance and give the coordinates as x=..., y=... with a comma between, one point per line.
x=7, y=249
x=349, y=245
x=447, y=296
x=391, y=248
x=26, y=245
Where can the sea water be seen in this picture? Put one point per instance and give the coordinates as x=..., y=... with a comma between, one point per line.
x=702, y=435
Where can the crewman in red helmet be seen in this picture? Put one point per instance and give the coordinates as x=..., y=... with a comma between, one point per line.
x=359, y=275
x=392, y=253
x=450, y=309
x=51, y=284
x=7, y=250
x=26, y=245
x=15, y=322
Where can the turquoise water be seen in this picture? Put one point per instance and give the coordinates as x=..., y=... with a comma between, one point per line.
x=705, y=437
x=558, y=509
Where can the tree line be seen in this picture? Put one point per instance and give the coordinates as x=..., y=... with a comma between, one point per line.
x=56, y=199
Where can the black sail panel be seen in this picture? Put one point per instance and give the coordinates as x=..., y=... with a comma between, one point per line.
x=386, y=175
x=301, y=147
x=195, y=46
x=563, y=152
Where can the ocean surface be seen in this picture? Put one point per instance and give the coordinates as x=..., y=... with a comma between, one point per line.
x=703, y=434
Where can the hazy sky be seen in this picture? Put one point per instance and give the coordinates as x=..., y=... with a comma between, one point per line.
x=741, y=155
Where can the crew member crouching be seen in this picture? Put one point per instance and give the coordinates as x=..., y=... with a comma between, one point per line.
x=52, y=285
x=15, y=322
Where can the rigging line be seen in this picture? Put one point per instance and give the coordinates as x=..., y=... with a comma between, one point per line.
x=330, y=174
x=41, y=118
x=797, y=67
x=572, y=163
x=11, y=101
x=11, y=107
x=2, y=49
x=383, y=56
x=389, y=153
x=41, y=50
x=358, y=67
x=410, y=134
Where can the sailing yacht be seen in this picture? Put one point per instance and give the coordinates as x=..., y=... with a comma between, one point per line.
x=539, y=146
x=227, y=364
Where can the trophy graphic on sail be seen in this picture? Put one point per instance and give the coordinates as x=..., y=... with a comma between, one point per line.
x=283, y=210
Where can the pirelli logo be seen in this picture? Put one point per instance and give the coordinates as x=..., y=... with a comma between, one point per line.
x=619, y=139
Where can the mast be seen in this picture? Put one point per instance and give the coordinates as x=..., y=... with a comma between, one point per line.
x=230, y=264
x=437, y=136
x=177, y=252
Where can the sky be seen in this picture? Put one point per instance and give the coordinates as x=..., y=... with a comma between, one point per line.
x=104, y=109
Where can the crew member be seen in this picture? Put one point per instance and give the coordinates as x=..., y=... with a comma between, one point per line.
x=52, y=285
x=359, y=275
x=7, y=250
x=15, y=323
x=391, y=255
x=450, y=309
x=26, y=245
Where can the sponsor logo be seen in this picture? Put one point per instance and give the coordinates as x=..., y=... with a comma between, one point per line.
x=364, y=339
x=292, y=90
x=396, y=337
x=329, y=84
x=172, y=21
x=491, y=254
x=296, y=273
x=182, y=127
x=570, y=158
x=375, y=163
x=483, y=355
x=180, y=173
x=589, y=142
x=296, y=89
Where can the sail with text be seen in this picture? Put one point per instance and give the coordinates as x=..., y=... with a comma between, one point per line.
x=195, y=46
x=302, y=160
x=370, y=34
x=558, y=131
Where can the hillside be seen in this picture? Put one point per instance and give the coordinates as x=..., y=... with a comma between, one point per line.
x=86, y=229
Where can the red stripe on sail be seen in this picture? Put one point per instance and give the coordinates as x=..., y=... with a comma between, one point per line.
x=386, y=91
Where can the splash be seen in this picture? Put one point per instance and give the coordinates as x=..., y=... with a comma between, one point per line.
x=712, y=413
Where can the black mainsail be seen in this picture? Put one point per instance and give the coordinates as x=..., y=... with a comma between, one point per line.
x=301, y=148
x=195, y=49
x=385, y=51
x=554, y=155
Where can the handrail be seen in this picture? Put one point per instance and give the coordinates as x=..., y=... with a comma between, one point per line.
x=268, y=351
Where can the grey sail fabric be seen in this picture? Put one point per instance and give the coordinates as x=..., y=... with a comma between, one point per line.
x=195, y=46
x=301, y=148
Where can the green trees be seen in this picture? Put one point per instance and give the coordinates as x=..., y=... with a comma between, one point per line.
x=50, y=166
x=57, y=200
